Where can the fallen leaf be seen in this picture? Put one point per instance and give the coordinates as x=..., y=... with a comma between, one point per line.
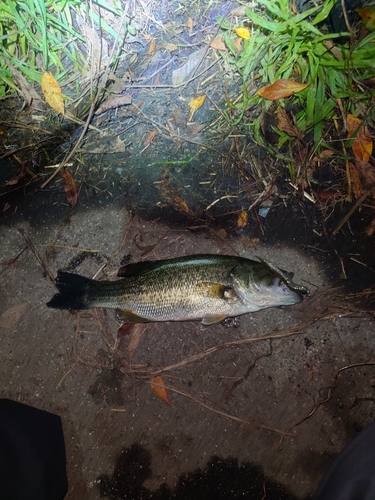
x=362, y=144
x=323, y=155
x=125, y=329
x=194, y=105
x=6, y=206
x=284, y=124
x=150, y=137
x=134, y=338
x=190, y=24
x=114, y=101
x=182, y=73
x=243, y=33
x=367, y=173
x=12, y=315
x=151, y=47
x=171, y=47
x=367, y=15
x=136, y=106
x=157, y=385
x=70, y=188
x=218, y=44
x=280, y=89
x=355, y=181
x=28, y=92
x=106, y=144
x=242, y=219
x=238, y=43
x=52, y=92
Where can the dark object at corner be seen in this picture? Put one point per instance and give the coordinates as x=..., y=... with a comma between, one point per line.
x=32, y=453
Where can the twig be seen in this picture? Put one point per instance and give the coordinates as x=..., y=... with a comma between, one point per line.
x=38, y=257
x=351, y=211
x=223, y=413
x=330, y=390
x=297, y=330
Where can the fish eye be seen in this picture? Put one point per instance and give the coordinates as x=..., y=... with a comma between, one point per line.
x=283, y=285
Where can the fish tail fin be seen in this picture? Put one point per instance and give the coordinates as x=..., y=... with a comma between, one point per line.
x=73, y=292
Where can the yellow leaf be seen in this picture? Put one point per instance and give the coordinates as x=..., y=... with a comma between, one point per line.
x=362, y=144
x=157, y=385
x=242, y=219
x=52, y=92
x=243, y=33
x=195, y=104
x=280, y=89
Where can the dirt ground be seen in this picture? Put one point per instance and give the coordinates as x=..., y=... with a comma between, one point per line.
x=268, y=408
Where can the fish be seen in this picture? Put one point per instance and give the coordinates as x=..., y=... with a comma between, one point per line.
x=204, y=287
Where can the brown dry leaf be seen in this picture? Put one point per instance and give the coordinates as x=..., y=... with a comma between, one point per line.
x=12, y=315
x=159, y=389
x=70, y=188
x=194, y=105
x=367, y=173
x=125, y=329
x=284, y=124
x=114, y=101
x=28, y=92
x=362, y=144
x=355, y=181
x=151, y=47
x=326, y=153
x=218, y=44
x=190, y=24
x=52, y=92
x=242, y=219
x=6, y=206
x=182, y=206
x=280, y=89
x=243, y=33
x=106, y=144
x=150, y=137
x=182, y=73
x=134, y=338
x=238, y=43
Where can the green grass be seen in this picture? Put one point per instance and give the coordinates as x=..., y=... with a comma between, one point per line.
x=286, y=45
x=39, y=35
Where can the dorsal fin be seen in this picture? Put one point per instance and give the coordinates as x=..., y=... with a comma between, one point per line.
x=138, y=268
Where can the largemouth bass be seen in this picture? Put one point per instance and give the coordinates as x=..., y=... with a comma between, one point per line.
x=206, y=287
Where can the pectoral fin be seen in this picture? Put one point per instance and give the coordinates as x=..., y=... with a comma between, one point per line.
x=212, y=320
x=126, y=316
